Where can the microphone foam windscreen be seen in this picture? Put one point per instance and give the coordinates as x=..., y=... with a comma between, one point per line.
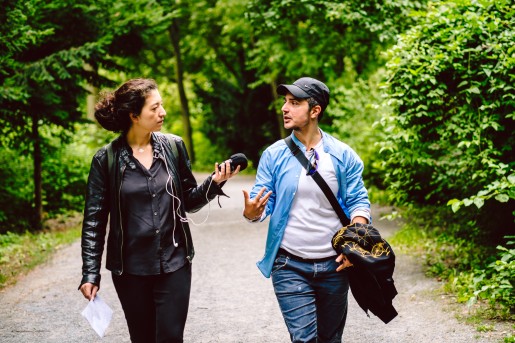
x=239, y=159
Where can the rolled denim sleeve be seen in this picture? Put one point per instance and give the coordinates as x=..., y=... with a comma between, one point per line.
x=356, y=194
x=264, y=178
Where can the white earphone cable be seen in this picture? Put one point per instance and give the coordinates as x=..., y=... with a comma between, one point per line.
x=178, y=208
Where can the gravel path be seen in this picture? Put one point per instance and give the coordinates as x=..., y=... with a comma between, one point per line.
x=231, y=301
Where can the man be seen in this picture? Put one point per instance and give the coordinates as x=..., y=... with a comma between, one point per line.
x=309, y=280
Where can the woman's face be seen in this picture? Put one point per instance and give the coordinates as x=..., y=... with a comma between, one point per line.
x=152, y=114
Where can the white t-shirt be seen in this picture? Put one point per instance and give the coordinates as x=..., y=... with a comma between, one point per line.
x=313, y=221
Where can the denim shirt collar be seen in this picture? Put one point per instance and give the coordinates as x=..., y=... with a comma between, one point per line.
x=329, y=146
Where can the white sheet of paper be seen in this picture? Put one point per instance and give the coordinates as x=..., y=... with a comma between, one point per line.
x=98, y=315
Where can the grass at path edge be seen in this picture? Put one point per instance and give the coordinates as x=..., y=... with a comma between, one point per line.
x=22, y=252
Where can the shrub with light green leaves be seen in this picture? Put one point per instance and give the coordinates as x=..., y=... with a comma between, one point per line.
x=494, y=284
x=450, y=139
x=451, y=83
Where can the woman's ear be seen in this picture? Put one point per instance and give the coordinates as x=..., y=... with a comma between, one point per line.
x=133, y=117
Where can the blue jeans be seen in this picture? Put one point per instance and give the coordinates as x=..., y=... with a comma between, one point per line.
x=312, y=296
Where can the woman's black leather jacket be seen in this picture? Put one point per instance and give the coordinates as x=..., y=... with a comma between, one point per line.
x=103, y=203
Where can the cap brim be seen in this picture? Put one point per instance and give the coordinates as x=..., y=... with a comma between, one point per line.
x=294, y=90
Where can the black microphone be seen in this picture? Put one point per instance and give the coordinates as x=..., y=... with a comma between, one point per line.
x=237, y=160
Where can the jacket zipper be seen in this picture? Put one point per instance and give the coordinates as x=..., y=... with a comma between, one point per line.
x=120, y=218
x=188, y=252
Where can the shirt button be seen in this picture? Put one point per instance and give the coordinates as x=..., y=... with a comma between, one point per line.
x=157, y=231
x=153, y=195
x=150, y=178
x=155, y=213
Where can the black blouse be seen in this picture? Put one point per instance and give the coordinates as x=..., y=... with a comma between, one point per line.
x=151, y=229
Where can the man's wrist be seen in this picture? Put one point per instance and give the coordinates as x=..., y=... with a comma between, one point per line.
x=255, y=219
x=359, y=219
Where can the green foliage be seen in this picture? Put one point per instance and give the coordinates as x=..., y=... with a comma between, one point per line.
x=449, y=142
x=314, y=37
x=53, y=53
x=16, y=189
x=450, y=82
x=65, y=172
x=43, y=78
x=485, y=328
x=502, y=190
x=233, y=109
x=354, y=112
x=491, y=283
x=66, y=168
x=476, y=274
x=432, y=232
x=496, y=283
x=236, y=52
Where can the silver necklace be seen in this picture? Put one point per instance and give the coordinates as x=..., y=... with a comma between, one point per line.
x=141, y=150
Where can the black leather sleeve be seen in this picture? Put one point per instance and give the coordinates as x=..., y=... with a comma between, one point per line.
x=96, y=212
x=195, y=196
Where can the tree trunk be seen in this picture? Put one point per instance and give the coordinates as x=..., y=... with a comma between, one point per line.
x=92, y=96
x=38, y=158
x=174, y=33
x=280, y=121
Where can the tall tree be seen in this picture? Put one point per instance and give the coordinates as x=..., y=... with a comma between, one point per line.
x=245, y=48
x=174, y=31
x=180, y=12
x=236, y=112
x=44, y=74
x=42, y=78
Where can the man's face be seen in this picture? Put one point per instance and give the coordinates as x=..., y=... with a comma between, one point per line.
x=296, y=113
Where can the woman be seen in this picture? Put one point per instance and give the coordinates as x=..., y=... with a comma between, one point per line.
x=143, y=182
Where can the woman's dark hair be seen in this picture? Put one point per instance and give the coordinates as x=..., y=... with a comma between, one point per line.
x=113, y=109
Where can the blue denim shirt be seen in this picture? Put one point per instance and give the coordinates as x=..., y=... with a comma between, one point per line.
x=279, y=171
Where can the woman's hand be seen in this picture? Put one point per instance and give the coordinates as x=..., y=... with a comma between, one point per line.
x=224, y=173
x=89, y=290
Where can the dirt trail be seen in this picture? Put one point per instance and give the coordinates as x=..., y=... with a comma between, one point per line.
x=231, y=301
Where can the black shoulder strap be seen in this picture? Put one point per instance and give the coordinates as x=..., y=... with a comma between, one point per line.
x=295, y=150
x=110, y=154
x=173, y=144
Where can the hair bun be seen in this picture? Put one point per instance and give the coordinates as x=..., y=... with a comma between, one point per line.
x=105, y=112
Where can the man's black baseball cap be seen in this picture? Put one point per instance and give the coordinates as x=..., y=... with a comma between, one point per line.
x=307, y=87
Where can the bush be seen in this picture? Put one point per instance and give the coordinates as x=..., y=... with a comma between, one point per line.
x=474, y=273
x=357, y=109
x=65, y=171
x=66, y=167
x=450, y=82
x=496, y=283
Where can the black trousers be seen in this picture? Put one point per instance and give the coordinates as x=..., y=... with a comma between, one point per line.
x=155, y=306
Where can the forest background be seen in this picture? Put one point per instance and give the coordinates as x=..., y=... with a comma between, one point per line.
x=422, y=90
